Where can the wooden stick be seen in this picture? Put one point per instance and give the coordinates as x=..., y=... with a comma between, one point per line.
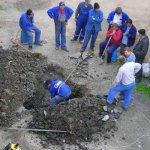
x=20, y=45
x=72, y=71
x=106, y=46
x=39, y=130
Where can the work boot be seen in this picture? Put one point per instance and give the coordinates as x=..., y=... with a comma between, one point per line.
x=92, y=48
x=82, y=50
x=101, y=61
x=81, y=42
x=30, y=48
x=65, y=49
x=73, y=39
x=38, y=44
x=57, y=48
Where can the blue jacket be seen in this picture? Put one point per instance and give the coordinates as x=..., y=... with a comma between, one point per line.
x=26, y=23
x=82, y=12
x=110, y=18
x=59, y=88
x=131, y=35
x=54, y=13
x=95, y=20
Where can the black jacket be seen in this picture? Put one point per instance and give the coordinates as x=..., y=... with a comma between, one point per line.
x=141, y=48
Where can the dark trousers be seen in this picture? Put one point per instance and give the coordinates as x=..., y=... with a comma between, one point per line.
x=122, y=47
x=139, y=74
x=111, y=49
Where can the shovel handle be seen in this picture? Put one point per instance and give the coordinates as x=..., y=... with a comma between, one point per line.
x=106, y=46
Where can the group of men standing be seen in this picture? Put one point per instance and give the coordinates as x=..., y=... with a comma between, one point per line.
x=121, y=33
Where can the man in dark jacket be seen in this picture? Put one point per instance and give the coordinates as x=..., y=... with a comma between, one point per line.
x=129, y=35
x=59, y=91
x=140, y=51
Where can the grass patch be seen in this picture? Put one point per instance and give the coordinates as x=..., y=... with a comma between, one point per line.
x=144, y=89
x=1, y=7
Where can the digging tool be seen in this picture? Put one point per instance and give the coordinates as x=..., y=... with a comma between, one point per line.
x=78, y=65
x=103, y=55
x=16, y=41
x=39, y=130
x=20, y=45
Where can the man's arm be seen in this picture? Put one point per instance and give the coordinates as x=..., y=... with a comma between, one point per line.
x=78, y=11
x=118, y=78
x=144, y=49
x=137, y=67
x=110, y=17
x=70, y=13
x=133, y=34
x=24, y=25
x=100, y=19
x=50, y=13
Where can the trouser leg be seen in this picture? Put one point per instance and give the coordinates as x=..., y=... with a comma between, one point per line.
x=57, y=34
x=93, y=40
x=63, y=35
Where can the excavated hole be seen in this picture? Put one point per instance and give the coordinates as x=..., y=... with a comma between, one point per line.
x=22, y=77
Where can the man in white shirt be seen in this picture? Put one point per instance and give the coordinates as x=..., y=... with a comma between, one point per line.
x=124, y=81
x=117, y=16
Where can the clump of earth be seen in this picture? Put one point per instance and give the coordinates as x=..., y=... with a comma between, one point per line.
x=80, y=117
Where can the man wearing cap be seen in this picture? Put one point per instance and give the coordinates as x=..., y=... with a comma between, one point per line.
x=124, y=82
x=81, y=17
x=129, y=35
x=61, y=14
x=59, y=91
x=93, y=27
x=140, y=50
x=26, y=23
x=117, y=16
x=113, y=40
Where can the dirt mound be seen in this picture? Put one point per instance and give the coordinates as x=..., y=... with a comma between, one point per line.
x=17, y=82
x=23, y=5
x=80, y=117
x=22, y=77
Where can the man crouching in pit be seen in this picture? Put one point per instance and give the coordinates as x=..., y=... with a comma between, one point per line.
x=59, y=92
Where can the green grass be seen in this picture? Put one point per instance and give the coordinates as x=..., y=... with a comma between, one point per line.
x=144, y=89
x=1, y=7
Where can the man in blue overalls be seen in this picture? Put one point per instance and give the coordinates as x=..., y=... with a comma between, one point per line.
x=93, y=27
x=26, y=23
x=81, y=17
x=61, y=14
x=59, y=91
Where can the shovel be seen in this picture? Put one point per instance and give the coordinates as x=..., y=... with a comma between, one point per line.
x=103, y=55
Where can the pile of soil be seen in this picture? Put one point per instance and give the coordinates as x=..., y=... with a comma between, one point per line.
x=22, y=77
x=19, y=72
x=80, y=117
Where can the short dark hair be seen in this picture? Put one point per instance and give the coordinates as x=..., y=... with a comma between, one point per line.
x=127, y=49
x=47, y=82
x=129, y=21
x=118, y=10
x=29, y=11
x=114, y=25
x=96, y=6
x=122, y=59
x=142, y=31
